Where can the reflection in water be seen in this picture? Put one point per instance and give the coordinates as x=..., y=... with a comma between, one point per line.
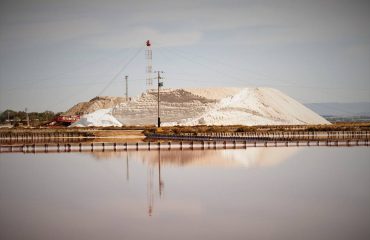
x=161, y=183
x=150, y=180
x=254, y=193
x=150, y=176
x=127, y=169
x=248, y=158
x=251, y=157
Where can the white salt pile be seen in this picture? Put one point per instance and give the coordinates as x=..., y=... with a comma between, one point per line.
x=99, y=118
x=207, y=106
x=256, y=106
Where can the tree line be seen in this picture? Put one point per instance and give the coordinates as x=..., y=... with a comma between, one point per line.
x=20, y=117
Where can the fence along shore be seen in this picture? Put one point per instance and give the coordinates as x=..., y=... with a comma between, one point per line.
x=179, y=145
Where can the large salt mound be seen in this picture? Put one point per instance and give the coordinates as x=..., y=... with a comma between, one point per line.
x=256, y=106
x=216, y=106
x=206, y=106
x=99, y=118
x=176, y=104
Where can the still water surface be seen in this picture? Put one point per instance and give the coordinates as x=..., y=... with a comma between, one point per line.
x=257, y=193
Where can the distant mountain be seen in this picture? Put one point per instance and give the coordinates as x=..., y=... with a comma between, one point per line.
x=341, y=109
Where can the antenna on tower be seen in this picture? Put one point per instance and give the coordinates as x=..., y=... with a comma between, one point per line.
x=149, y=67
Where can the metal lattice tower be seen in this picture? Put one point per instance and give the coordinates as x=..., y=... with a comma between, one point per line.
x=149, y=67
x=126, y=93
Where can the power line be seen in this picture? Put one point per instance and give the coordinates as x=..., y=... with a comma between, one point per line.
x=64, y=99
x=222, y=63
x=321, y=89
x=73, y=69
x=120, y=72
x=264, y=75
x=206, y=66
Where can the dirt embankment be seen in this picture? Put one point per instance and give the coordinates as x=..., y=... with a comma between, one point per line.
x=120, y=135
x=94, y=104
x=72, y=133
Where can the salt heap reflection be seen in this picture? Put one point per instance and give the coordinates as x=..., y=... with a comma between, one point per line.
x=157, y=162
x=249, y=158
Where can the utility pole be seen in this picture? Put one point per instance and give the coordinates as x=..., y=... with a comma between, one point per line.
x=126, y=77
x=160, y=84
x=27, y=118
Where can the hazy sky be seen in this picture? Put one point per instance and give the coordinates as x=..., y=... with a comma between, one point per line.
x=54, y=54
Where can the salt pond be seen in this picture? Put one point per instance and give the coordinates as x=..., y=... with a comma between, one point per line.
x=254, y=193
